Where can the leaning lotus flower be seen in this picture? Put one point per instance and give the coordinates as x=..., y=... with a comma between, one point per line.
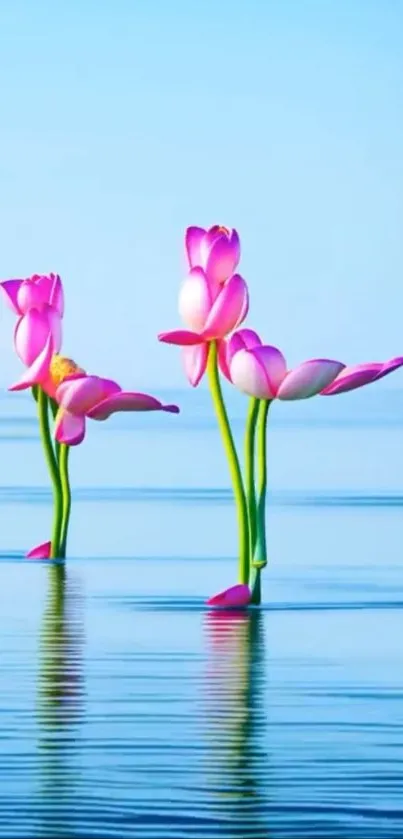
x=61, y=389
x=213, y=300
x=261, y=372
x=80, y=395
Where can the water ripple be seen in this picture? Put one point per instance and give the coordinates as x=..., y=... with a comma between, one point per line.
x=129, y=715
x=197, y=495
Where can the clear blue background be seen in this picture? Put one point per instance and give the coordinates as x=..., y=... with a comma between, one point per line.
x=122, y=123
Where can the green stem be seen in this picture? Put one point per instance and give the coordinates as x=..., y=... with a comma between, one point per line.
x=54, y=408
x=64, y=452
x=250, y=469
x=53, y=470
x=235, y=470
x=260, y=556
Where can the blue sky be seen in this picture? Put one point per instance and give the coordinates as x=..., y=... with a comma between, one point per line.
x=124, y=122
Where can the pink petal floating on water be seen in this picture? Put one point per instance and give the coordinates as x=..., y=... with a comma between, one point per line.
x=40, y=551
x=235, y=597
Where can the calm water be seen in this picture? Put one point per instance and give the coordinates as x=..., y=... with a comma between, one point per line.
x=126, y=709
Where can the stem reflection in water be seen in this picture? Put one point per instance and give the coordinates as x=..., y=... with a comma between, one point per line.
x=236, y=761
x=60, y=704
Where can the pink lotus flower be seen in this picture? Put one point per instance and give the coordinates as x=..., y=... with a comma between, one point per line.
x=80, y=396
x=235, y=597
x=39, y=302
x=217, y=251
x=261, y=371
x=213, y=301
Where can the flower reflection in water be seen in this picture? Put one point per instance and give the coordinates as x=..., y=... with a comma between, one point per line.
x=237, y=764
x=61, y=693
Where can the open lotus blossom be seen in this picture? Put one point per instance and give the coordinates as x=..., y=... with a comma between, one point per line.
x=213, y=301
x=39, y=303
x=262, y=372
x=235, y=597
x=80, y=395
x=217, y=251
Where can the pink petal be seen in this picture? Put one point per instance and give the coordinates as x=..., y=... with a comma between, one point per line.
x=69, y=428
x=353, y=377
x=240, y=340
x=274, y=364
x=195, y=300
x=56, y=296
x=243, y=339
x=234, y=597
x=390, y=366
x=40, y=551
x=249, y=375
x=55, y=326
x=195, y=362
x=227, y=309
x=32, y=331
x=79, y=395
x=39, y=369
x=193, y=239
x=30, y=296
x=223, y=257
x=309, y=379
x=244, y=310
x=359, y=375
x=10, y=289
x=181, y=338
x=258, y=372
x=125, y=401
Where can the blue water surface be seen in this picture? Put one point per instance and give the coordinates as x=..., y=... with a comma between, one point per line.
x=129, y=710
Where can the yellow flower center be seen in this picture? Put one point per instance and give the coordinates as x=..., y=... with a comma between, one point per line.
x=223, y=230
x=61, y=367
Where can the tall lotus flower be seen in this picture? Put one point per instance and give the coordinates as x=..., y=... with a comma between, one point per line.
x=39, y=303
x=213, y=300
